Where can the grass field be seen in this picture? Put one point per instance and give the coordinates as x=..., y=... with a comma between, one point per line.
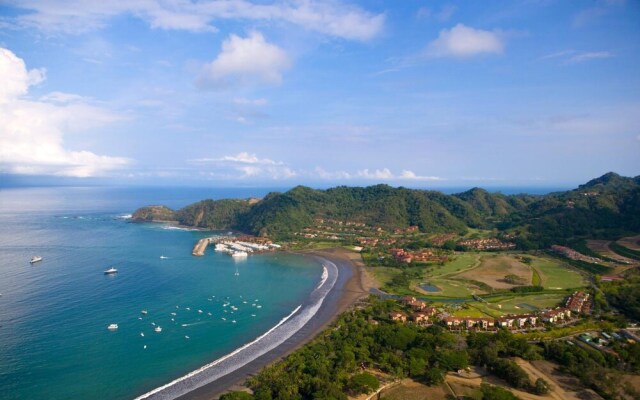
x=462, y=262
x=410, y=390
x=454, y=288
x=556, y=275
x=493, y=269
x=522, y=304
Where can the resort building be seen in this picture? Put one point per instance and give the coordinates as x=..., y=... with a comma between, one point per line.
x=398, y=316
x=420, y=318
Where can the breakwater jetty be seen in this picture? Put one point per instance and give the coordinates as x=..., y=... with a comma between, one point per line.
x=201, y=246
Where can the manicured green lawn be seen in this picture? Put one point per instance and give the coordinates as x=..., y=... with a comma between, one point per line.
x=518, y=304
x=556, y=275
x=462, y=262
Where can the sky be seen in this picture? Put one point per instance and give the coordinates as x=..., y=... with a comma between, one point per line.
x=336, y=92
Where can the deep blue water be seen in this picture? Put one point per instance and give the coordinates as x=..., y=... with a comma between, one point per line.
x=54, y=341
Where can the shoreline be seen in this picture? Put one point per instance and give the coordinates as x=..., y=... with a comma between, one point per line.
x=348, y=289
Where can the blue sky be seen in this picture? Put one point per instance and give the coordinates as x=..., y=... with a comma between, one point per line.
x=279, y=93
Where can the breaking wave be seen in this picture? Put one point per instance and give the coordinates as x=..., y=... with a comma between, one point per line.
x=266, y=342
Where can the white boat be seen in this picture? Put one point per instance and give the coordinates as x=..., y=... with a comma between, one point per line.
x=35, y=259
x=112, y=327
x=163, y=257
x=239, y=254
x=158, y=329
x=221, y=247
x=143, y=312
x=142, y=334
x=110, y=271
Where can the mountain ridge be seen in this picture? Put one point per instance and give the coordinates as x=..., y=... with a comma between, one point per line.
x=604, y=206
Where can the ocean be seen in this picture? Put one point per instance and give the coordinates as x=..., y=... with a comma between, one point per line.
x=54, y=341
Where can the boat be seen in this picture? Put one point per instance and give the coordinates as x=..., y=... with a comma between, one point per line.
x=239, y=254
x=163, y=257
x=111, y=271
x=143, y=312
x=35, y=259
x=142, y=334
x=158, y=329
x=221, y=247
x=112, y=327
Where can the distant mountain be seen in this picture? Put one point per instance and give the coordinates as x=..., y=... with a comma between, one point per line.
x=602, y=207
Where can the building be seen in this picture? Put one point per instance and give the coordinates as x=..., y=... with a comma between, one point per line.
x=398, y=316
x=420, y=318
x=412, y=302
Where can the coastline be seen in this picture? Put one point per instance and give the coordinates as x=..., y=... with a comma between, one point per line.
x=350, y=287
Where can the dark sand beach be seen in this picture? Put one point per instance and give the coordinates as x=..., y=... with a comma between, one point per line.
x=351, y=286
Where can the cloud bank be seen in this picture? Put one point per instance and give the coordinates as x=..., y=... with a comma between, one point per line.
x=247, y=165
x=333, y=17
x=31, y=132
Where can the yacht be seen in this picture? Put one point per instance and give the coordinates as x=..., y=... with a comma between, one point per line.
x=163, y=257
x=112, y=327
x=111, y=271
x=143, y=312
x=35, y=259
x=158, y=329
x=239, y=254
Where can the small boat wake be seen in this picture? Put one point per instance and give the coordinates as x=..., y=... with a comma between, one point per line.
x=266, y=342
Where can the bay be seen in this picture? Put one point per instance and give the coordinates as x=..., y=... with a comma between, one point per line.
x=54, y=314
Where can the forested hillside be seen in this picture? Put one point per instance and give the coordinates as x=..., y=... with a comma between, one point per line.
x=604, y=207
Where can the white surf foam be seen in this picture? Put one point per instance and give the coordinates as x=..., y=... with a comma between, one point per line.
x=266, y=342
x=323, y=278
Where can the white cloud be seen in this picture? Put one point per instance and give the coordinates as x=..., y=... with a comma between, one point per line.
x=575, y=57
x=462, y=41
x=245, y=165
x=386, y=175
x=582, y=57
x=326, y=175
x=410, y=175
x=376, y=174
x=247, y=60
x=31, y=138
x=64, y=98
x=331, y=17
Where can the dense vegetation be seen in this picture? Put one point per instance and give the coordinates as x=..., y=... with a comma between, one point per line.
x=605, y=207
x=625, y=295
x=364, y=347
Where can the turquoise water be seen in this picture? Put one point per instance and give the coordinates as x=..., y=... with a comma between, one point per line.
x=54, y=341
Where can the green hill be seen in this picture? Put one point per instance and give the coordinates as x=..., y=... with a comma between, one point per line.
x=603, y=207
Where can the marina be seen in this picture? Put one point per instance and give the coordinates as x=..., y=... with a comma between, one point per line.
x=235, y=247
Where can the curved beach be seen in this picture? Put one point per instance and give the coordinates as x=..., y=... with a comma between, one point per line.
x=341, y=285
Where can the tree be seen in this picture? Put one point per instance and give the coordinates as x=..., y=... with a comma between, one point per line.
x=434, y=376
x=541, y=387
x=490, y=392
x=236, y=396
x=362, y=383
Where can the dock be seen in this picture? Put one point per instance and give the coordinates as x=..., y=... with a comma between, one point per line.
x=200, y=247
x=231, y=244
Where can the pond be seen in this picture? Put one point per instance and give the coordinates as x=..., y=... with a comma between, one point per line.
x=429, y=288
